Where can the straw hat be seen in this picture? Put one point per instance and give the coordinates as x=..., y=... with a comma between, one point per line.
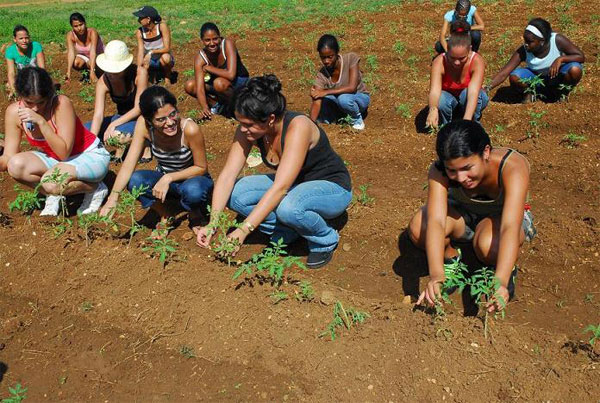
x=116, y=57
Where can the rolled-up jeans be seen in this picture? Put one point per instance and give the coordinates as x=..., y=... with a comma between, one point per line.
x=448, y=103
x=336, y=107
x=302, y=212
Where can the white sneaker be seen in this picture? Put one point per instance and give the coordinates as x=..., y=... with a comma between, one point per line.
x=216, y=109
x=359, y=124
x=52, y=205
x=93, y=200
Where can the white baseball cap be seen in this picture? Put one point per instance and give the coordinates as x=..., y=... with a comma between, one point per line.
x=116, y=57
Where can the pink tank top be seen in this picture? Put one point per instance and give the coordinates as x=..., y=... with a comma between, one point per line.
x=83, y=138
x=85, y=50
x=451, y=86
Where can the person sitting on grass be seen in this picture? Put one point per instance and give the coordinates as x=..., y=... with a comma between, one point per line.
x=339, y=91
x=178, y=145
x=476, y=194
x=456, y=80
x=123, y=82
x=83, y=45
x=22, y=53
x=49, y=123
x=218, y=72
x=154, y=43
x=311, y=183
x=466, y=12
x=550, y=56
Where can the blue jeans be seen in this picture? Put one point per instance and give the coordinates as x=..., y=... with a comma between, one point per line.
x=127, y=127
x=302, y=212
x=525, y=73
x=335, y=107
x=449, y=102
x=192, y=193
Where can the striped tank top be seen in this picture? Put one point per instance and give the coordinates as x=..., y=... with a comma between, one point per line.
x=152, y=43
x=172, y=161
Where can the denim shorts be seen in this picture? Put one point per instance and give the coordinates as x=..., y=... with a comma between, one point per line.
x=524, y=73
x=155, y=61
x=90, y=166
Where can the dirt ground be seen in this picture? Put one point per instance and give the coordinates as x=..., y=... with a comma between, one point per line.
x=106, y=323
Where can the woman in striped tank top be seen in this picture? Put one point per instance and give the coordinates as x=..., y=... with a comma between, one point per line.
x=154, y=42
x=177, y=145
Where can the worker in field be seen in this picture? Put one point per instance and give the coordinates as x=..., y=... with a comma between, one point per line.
x=311, y=183
x=339, y=93
x=476, y=194
x=553, y=64
x=22, y=53
x=456, y=81
x=218, y=73
x=154, y=45
x=67, y=158
x=84, y=44
x=464, y=11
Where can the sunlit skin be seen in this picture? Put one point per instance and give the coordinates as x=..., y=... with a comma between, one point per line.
x=467, y=171
x=79, y=28
x=211, y=41
x=165, y=60
x=167, y=119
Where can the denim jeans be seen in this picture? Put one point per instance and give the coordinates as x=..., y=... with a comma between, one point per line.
x=335, y=107
x=302, y=212
x=127, y=127
x=192, y=193
x=449, y=102
x=525, y=73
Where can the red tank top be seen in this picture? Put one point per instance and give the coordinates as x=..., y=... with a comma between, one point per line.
x=83, y=138
x=451, y=86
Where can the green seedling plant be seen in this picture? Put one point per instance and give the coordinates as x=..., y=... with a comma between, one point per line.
x=90, y=224
x=346, y=121
x=455, y=274
x=17, y=394
x=536, y=123
x=277, y=296
x=363, y=197
x=273, y=261
x=26, y=201
x=187, y=351
x=161, y=246
x=573, y=140
x=63, y=223
x=565, y=91
x=87, y=94
x=403, y=110
x=306, y=293
x=343, y=318
x=595, y=331
x=533, y=84
x=400, y=48
x=126, y=206
x=223, y=247
x=484, y=289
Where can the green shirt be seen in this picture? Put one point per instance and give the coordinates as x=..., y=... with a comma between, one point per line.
x=28, y=59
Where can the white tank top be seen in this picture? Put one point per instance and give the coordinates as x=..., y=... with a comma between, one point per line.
x=542, y=66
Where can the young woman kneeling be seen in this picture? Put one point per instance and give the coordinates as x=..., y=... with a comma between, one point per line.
x=311, y=183
x=48, y=122
x=178, y=145
x=476, y=194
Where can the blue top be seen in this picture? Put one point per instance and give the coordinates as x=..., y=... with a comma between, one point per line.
x=450, y=16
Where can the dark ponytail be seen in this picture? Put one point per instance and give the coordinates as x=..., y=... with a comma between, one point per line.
x=460, y=34
x=260, y=98
x=460, y=138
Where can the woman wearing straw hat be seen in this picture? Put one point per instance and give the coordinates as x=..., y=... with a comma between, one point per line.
x=124, y=82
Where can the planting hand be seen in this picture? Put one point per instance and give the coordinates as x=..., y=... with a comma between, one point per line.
x=555, y=68
x=240, y=236
x=499, y=300
x=110, y=131
x=203, y=236
x=432, y=118
x=432, y=293
x=205, y=111
x=110, y=204
x=161, y=188
x=317, y=93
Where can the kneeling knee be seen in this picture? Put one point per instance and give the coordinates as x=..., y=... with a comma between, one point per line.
x=190, y=87
x=221, y=84
x=51, y=188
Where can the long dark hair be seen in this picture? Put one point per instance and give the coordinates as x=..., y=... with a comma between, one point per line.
x=261, y=98
x=76, y=17
x=460, y=138
x=154, y=98
x=34, y=81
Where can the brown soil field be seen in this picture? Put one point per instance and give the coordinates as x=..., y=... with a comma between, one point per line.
x=106, y=323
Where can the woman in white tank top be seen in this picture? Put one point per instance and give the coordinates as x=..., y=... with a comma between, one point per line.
x=550, y=56
x=154, y=43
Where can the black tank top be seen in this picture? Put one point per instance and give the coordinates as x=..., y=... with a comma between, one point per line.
x=321, y=162
x=124, y=103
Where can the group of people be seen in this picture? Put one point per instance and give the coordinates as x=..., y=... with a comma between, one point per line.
x=476, y=193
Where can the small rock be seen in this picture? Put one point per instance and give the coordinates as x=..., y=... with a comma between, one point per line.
x=346, y=247
x=446, y=389
x=406, y=300
x=327, y=298
x=370, y=387
x=475, y=345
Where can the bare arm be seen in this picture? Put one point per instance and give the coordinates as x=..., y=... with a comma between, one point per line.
x=352, y=86
x=477, y=73
x=231, y=68
x=12, y=139
x=479, y=25
x=93, y=45
x=199, y=64
x=140, y=48
x=315, y=108
x=70, y=54
x=40, y=60
x=101, y=91
x=571, y=52
x=517, y=57
x=11, y=72
x=437, y=211
x=435, y=91
x=443, y=34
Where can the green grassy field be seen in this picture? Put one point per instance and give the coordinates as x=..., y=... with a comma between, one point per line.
x=49, y=22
